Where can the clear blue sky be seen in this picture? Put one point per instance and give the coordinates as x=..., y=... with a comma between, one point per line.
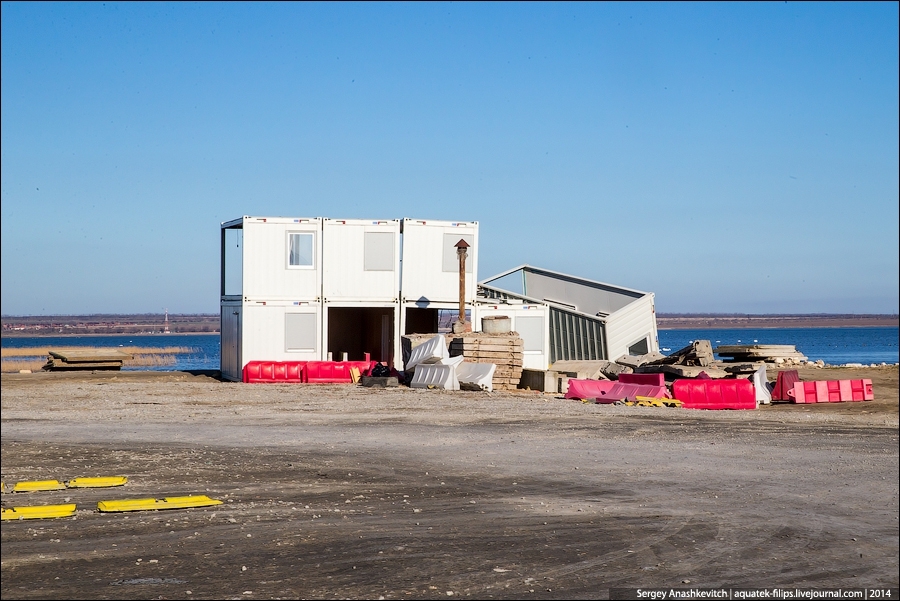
x=728, y=157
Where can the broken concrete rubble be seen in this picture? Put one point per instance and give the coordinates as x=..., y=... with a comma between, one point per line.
x=633, y=361
x=583, y=370
x=769, y=353
x=698, y=352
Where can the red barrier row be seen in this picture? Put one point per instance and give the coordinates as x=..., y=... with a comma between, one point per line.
x=303, y=372
x=275, y=372
x=832, y=391
x=715, y=394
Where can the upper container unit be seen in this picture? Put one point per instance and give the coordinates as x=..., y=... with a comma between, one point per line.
x=430, y=273
x=361, y=260
x=281, y=259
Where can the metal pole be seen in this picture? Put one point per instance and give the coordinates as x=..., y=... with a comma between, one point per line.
x=461, y=252
x=460, y=325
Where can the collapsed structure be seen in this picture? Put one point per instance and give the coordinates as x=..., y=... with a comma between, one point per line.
x=314, y=289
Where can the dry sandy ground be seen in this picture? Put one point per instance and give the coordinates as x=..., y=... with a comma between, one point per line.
x=343, y=492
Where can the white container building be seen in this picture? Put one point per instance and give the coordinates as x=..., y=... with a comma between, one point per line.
x=429, y=280
x=301, y=289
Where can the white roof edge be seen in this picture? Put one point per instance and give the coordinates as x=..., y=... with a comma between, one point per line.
x=233, y=222
x=440, y=221
x=535, y=301
x=504, y=274
x=565, y=275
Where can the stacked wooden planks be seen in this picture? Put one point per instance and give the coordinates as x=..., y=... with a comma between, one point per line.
x=86, y=359
x=503, y=350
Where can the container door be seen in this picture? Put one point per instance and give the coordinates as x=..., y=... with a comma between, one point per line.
x=230, y=342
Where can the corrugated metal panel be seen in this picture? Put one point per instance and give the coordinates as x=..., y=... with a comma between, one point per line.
x=360, y=260
x=575, y=337
x=428, y=259
x=267, y=273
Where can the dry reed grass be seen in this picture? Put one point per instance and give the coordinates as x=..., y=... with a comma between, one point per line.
x=43, y=351
x=35, y=358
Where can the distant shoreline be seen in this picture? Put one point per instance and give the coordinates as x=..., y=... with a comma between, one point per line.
x=664, y=321
x=97, y=335
x=728, y=322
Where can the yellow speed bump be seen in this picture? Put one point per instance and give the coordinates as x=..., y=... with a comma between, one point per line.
x=97, y=482
x=36, y=485
x=39, y=511
x=647, y=401
x=152, y=504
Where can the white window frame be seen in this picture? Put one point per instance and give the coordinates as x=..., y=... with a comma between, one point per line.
x=312, y=264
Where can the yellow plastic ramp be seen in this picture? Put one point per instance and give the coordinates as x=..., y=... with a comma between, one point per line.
x=103, y=482
x=39, y=511
x=153, y=504
x=646, y=401
x=37, y=485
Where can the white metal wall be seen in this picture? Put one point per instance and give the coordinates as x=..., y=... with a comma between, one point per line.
x=360, y=260
x=266, y=274
x=281, y=331
x=430, y=268
x=530, y=321
x=631, y=324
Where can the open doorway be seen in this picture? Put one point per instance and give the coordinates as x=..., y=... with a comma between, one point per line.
x=360, y=330
x=432, y=321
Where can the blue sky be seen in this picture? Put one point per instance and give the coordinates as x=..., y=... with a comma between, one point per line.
x=728, y=157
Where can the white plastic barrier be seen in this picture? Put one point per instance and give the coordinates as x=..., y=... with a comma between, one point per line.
x=454, y=361
x=479, y=374
x=435, y=375
x=430, y=351
x=761, y=384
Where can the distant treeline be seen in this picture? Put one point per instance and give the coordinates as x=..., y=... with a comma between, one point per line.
x=143, y=323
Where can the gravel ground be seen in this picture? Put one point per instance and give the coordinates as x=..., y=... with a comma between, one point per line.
x=344, y=492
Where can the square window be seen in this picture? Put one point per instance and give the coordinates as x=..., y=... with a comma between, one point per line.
x=379, y=251
x=300, y=332
x=301, y=250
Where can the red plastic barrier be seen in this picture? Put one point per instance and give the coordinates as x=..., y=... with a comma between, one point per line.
x=648, y=379
x=622, y=391
x=335, y=372
x=274, y=372
x=784, y=384
x=832, y=391
x=588, y=389
x=715, y=394
x=364, y=367
x=610, y=392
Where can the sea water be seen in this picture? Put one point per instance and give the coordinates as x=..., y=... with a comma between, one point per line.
x=834, y=346
x=204, y=353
